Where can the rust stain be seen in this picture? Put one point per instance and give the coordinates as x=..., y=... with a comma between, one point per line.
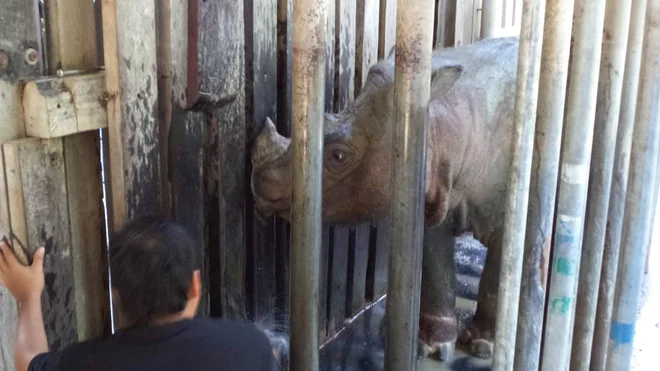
x=544, y=263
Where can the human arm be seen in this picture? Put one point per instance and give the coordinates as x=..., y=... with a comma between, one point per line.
x=25, y=283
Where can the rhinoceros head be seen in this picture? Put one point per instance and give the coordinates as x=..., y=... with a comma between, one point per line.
x=357, y=156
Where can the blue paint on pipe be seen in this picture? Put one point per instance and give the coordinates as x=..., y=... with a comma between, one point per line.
x=622, y=333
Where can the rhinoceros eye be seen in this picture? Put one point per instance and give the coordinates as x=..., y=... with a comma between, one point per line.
x=338, y=155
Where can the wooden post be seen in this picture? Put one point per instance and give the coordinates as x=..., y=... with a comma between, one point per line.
x=367, y=31
x=387, y=33
x=212, y=77
x=186, y=133
x=261, y=100
x=51, y=188
x=129, y=42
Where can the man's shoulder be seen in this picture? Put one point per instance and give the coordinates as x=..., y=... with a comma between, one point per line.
x=228, y=328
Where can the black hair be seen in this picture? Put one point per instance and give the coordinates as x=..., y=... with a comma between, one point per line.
x=152, y=260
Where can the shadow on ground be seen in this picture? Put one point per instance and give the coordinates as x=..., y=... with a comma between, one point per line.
x=359, y=346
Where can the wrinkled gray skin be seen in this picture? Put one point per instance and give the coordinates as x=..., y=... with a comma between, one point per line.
x=468, y=152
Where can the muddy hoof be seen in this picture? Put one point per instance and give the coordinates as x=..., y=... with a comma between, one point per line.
x=440, y=351
x=437, y=337
x=477, y=344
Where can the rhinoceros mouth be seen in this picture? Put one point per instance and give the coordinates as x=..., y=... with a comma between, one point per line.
x=269, y=207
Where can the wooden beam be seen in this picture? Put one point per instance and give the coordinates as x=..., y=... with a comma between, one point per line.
x=186, y=140
x=19, y=31
x=367, y=34
x=129, y=42
x=55, y=107
x=72, y=45
x=261, y=100
x=220, y=26
x=387, y=29
x=71, y=35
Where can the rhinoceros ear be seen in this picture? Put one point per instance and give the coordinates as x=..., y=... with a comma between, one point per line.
x=443, y=78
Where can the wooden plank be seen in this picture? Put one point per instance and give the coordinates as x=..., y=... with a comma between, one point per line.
x=186, y=136
x=381, y=247
x=387, y=28
x=129, y=42
x=476, y=20
x=261, y=59
x=55, y=107
x=367, y=33
x=346, y=18
x=18, y=31
x=221, y=27
x=338, y=287
x=72, y=37
x=282, y=228
x=325, y=282
x=89, y=254
x=464, y=22
x=164, y=73
x=36, y=182
x=446, y=24
x=330, y=75
x=358, y=260
x=72, y=45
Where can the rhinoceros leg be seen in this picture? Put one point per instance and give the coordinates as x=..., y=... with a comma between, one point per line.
x=479, y=335
x=438, y=329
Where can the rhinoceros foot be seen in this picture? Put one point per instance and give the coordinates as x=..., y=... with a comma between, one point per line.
x=437, y=336
x=477, y=340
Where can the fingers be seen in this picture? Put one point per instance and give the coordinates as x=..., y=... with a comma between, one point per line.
x=10, y=258
x=3, y=248
x=38, y=259
x=3, y=262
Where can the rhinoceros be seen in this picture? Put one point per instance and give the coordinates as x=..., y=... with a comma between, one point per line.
x=467, y=164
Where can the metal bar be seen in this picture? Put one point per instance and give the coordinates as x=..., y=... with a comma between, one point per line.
x=588, y=21
x=414, y=43
x=637, y=217
x=543, y=181
x=618, y=186
x=527, y=87
x=491, y=18
x=654, y=215
x=308, y=102
x=612, y=65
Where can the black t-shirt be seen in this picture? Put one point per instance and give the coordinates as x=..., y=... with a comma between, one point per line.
x=199, y=344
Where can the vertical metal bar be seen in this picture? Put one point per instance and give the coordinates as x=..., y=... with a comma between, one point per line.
x=543, y=181
x=619, y=185
x=588, y=21
x=612, y=65
x=636, y=223
x=308, y=102
x=491, y=18
x=414, y=43
x=527, y=87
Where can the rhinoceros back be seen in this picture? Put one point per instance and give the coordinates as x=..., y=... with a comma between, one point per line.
x=489, y=66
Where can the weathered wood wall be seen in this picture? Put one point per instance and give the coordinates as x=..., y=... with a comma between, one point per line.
x=50, y=182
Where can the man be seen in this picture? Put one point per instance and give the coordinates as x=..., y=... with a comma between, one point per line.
x=157, y=286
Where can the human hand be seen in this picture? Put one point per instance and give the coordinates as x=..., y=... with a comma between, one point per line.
x=25, y=283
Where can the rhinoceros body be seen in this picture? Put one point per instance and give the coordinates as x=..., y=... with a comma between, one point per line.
x=468, y=158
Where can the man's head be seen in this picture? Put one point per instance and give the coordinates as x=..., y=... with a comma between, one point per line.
x=154, y=271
